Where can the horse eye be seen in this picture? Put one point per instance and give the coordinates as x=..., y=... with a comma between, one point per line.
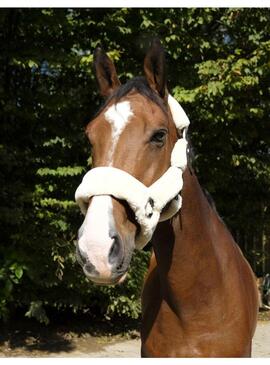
x=159, y=137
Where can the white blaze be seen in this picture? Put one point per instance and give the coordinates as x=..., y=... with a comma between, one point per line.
x=94, y=235
x=94, y=238
x=118, y=115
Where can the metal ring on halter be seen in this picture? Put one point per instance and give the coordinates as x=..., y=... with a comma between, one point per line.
x=185, y=133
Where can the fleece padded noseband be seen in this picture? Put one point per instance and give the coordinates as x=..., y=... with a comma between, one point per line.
x=147, y=203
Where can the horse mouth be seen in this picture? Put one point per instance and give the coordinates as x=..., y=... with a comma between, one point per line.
x=114, y=280
x=113, y=275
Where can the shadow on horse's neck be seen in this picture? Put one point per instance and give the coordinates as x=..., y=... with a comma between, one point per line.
x=185, y=246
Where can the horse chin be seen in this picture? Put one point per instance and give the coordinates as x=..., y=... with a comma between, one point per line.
x=108, y=281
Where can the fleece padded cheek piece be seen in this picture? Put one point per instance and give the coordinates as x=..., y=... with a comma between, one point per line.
x=147, y=203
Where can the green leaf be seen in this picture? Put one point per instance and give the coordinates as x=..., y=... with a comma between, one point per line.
x=19, y=272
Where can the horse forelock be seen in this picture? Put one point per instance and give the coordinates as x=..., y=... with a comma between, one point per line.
x=139, y=85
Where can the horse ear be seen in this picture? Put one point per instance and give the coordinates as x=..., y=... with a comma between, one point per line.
x=155, y=69
x=105, y=73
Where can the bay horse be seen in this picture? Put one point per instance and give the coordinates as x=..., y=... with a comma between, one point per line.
x=199, y=297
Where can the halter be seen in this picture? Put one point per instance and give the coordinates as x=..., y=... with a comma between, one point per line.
x=147, y=203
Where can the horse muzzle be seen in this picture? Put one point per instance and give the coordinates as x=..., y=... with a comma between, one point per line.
x=104, y=266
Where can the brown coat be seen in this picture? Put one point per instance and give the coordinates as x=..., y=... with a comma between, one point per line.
x=200, y=297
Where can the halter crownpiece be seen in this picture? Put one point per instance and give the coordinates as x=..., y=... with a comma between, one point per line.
x=147, y=203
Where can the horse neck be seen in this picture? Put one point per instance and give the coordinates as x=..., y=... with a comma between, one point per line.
x=185, y=246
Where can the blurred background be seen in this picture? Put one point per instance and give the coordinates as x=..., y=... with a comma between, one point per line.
x=218, y=63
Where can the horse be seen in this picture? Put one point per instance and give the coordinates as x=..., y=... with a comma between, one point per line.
x=199, y=297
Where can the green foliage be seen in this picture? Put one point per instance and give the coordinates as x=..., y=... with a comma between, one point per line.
x=125, y=299
x=37, y=311
x=218, y=68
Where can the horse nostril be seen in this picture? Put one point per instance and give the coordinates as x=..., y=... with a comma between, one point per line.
x=115, y=250
x=90, y=268
x=119, y=267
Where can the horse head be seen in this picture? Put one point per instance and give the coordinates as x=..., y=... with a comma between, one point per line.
x=132, y=139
